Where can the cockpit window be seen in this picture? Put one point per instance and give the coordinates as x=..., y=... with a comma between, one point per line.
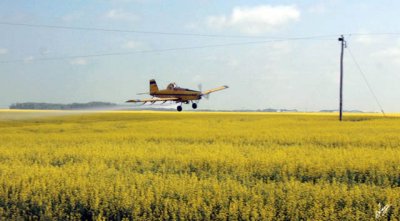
x=171, y=86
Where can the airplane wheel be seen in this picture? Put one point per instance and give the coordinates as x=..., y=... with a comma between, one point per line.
x=179, y=108
x=194, y=105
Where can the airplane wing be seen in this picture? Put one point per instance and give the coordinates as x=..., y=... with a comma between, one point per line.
x=214, y=90
x=152, y=100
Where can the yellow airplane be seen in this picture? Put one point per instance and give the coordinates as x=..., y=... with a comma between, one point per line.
x=176, y=94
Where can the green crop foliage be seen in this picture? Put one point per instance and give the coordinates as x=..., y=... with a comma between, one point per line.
x=197, y=166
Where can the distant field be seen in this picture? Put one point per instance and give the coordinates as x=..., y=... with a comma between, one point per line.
x=197, y=166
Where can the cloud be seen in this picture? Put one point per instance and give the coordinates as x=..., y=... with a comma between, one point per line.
x=29, y=59
x=132, y=45
x=391, y=54
x=256, y=20
x=79, y=61
x=116, y=14
x=283, y=47
x=3, y=51
x=365, y=39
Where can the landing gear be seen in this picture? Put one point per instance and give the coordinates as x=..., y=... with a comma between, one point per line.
x=179, y=107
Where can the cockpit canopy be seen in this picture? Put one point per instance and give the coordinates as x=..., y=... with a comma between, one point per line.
x=172, y=86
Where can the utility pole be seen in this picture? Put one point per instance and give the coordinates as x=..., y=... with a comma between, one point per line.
x=343, y=45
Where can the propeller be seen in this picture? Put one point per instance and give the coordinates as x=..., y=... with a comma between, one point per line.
x=142, y=93
x=206, y=96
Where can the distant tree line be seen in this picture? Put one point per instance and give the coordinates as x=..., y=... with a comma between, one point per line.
x=277, y=110
x=51, y=106
x=349, y=111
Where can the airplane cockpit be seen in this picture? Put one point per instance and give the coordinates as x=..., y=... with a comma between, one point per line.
x=172, y=86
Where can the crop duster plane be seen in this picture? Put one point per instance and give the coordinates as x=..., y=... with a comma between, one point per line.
x=176, y=94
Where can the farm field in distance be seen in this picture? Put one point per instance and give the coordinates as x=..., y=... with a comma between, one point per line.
x=198, y=166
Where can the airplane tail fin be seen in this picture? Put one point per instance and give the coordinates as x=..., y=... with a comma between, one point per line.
x=153, y=86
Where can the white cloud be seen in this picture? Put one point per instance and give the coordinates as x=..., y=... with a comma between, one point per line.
x=132, y=45
x=362, y=37
x=256, y=20
x=283, y=47
x=78, y=61
x=391, y=54
x=365, y=39
x=116, y=14
x=3, y=51
x=29, y=59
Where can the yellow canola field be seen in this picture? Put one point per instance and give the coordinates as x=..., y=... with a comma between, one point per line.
x=197, y=166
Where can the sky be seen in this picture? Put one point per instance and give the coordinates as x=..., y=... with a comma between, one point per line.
x=271, y=54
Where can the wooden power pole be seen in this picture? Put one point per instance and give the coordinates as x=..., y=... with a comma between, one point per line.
x=343, y=45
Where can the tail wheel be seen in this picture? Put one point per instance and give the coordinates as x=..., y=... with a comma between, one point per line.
x=179, y=108
x=194, y=105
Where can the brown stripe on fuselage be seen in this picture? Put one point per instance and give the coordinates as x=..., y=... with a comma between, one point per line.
x=182, y=95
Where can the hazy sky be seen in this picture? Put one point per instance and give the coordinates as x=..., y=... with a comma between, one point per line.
x=292, y=73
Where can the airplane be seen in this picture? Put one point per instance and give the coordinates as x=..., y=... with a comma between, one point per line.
x=175, y=94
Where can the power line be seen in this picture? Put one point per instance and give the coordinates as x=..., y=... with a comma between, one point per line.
x=366, y=81
x=157, y=32
x=161, y=50
x=374, y=34
x=270, y=39
x=142, y=51
x=182, y=33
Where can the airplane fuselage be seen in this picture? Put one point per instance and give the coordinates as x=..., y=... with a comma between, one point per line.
x=182, y=94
